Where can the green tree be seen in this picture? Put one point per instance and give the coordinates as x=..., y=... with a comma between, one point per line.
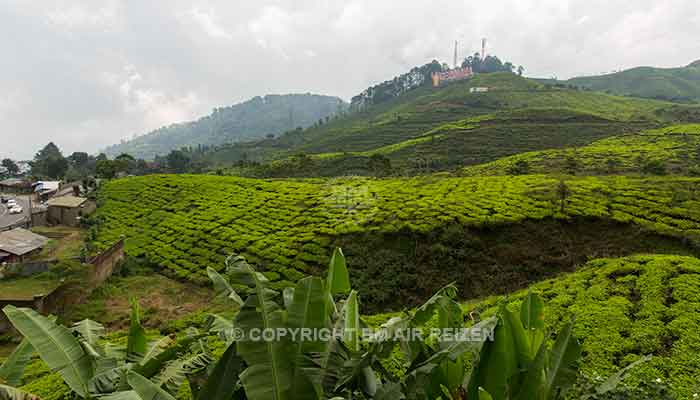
x=79, y=159
x=106, y=169
x=379, y=164
x=49, y=162
x=11, y=166
x=563, y=193
x=520, y=167
x=177, y=161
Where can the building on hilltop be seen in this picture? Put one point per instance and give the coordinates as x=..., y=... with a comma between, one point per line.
x=456, y=74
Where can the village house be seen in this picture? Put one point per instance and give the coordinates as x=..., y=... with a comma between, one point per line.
x=67, y=210
x=18, y=244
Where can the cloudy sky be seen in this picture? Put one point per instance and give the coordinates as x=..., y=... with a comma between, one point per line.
x=88, y=73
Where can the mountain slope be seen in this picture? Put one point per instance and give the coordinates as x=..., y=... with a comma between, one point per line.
x=253, y=119
x=673, y=149
x=449, y=127
x=674, y=84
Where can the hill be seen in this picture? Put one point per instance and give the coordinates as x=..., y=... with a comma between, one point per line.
x=253, y=119
x=488, y=234
x=674, y=84
x=449, y=127
x=674, y=149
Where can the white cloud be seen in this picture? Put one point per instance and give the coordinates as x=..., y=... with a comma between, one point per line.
x=86, y=73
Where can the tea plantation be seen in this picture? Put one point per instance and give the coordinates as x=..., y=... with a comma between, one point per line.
x=674, y=149
x=185, y=223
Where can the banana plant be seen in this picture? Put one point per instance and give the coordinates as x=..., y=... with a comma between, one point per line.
x=518, y=364
x=92, y=367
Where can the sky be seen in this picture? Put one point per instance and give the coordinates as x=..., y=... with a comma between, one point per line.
x=89, y=73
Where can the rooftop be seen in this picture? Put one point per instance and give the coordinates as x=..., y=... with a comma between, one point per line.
x=20, y=241
x=14, y=182
x=66, y=201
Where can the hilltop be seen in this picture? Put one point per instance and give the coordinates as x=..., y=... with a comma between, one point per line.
x=429, y=129
x=680, y=84
x=253, y=119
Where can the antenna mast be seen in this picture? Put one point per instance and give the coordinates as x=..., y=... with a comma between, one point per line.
x=483, y=49
x=455, y=59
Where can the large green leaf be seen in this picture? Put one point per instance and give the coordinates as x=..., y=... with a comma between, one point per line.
x=146, y=389
x=137, y=344
x=223, y=287
x=338, y=281
x=351, y=331
x=90, y=331
x=11, y=393
x=562, y=365
x=484, y=395
x=614, y=380
x=12, y=369
x=307, y=312
x=221, y=384
x=496, y=364
x=55, y=344
x=532, y=318
x=270, y=365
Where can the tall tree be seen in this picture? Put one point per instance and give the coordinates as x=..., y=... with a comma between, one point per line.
x=177, y=161
x=10, y=166
x=49, y=162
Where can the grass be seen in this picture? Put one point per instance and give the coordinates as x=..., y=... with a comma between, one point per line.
x=27, y=288
x=64, y=242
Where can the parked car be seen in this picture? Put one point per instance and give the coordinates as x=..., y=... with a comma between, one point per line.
x=12, y=203
x=3, y=199
x=16, y=210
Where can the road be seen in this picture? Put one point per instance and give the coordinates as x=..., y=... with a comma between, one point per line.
x=6, y=218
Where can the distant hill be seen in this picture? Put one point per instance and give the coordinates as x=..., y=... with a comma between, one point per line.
x=673, y=84
x=253, y=119
x=430, y=129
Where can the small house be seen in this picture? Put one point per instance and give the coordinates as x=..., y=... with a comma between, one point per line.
x=18, y=244
x=67, y=210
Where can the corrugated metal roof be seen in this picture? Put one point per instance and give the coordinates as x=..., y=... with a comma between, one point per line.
x=66, y=201
x=20, y=241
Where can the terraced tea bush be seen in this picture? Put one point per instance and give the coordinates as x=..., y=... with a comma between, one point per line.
x=185, y=224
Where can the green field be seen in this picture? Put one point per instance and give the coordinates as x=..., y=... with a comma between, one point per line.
x=186, y=223
x=675, y=148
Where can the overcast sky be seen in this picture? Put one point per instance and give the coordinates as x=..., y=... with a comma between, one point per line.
x=87, y=73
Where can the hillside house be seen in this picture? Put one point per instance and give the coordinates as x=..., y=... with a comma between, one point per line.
x=18, y=244
x=67, y=210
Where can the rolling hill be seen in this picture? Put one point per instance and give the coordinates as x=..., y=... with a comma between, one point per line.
x=674, y=84
x=253, y=119
x=445, y=128
x=488, y=234
x=674, y=149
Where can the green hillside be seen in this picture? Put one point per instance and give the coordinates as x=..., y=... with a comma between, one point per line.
x=448, y=127
x=253, y=119
x=673, y=84
x=674, y=149
x=185, y=223
x=627, y=308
